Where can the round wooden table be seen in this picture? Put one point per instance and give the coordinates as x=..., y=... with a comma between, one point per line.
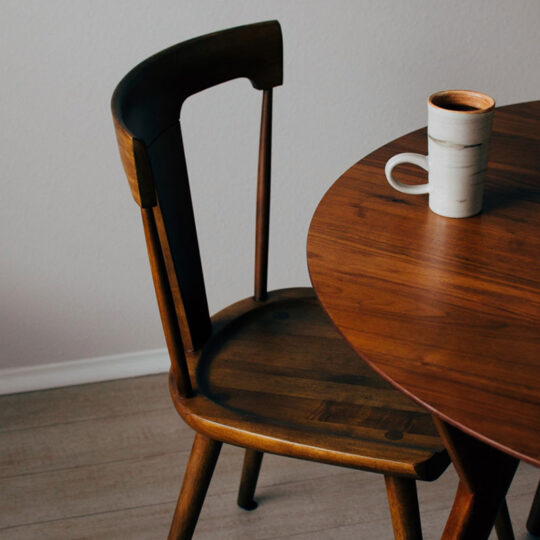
x=447, y=310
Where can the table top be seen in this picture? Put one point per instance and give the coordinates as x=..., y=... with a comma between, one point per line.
x=447, y=310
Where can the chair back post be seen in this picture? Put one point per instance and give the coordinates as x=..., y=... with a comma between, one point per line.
x=134, y=156
x=166, y=305
x=263, y=198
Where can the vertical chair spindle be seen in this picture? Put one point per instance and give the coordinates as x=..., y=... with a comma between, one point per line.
x=263, y=198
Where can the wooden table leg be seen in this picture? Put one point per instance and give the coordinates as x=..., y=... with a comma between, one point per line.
x=533, y=523
x=485, y=474
x=503, y=523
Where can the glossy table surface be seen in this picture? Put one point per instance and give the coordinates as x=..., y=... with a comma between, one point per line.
x=448, y=310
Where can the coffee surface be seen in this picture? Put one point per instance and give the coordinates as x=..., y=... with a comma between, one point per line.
x=458, y=107
x=462, y=101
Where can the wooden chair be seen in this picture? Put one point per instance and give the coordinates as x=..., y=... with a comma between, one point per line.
x=269, y=373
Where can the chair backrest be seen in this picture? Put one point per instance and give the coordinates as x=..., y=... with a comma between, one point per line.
x=146, y=109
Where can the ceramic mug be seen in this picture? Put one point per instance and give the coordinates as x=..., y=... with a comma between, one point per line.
x=459, y=129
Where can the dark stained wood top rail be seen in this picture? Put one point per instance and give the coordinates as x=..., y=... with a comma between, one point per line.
x=447, y=310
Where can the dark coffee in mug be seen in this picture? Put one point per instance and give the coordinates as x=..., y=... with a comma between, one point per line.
x=461, y=100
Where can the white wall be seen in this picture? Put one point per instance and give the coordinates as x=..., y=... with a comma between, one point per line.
x=74, y=278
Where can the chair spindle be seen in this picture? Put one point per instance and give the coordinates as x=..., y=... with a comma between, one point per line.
x=263, y=198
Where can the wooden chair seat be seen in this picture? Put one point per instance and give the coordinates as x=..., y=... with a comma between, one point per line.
x=280, y=371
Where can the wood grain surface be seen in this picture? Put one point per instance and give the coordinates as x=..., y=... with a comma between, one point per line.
x=448, y=310
x=277, y=377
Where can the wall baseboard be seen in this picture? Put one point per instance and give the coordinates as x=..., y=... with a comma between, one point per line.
x=103, y=368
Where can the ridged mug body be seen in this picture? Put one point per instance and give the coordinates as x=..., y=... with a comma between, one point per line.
x=458, y=149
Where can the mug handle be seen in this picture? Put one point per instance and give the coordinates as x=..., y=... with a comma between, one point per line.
x=416, y=159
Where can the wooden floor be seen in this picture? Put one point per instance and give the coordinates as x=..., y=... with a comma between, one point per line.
x=106, y=461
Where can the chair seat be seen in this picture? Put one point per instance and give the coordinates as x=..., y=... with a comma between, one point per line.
x=277, y=377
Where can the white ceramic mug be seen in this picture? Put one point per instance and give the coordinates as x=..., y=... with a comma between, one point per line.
x=459, y=129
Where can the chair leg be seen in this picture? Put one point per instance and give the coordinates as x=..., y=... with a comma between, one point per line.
x=533, y=522
x=403, y=502
x=202, y=461
x=503, y=525
x=248, y=482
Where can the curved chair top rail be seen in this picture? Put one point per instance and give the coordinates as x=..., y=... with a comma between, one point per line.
x=149, y=98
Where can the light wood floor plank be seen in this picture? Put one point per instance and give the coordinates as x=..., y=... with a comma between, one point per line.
x=86, y=401
x=92, y=441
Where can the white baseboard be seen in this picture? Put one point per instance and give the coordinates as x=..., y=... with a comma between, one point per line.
x=104, y=368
